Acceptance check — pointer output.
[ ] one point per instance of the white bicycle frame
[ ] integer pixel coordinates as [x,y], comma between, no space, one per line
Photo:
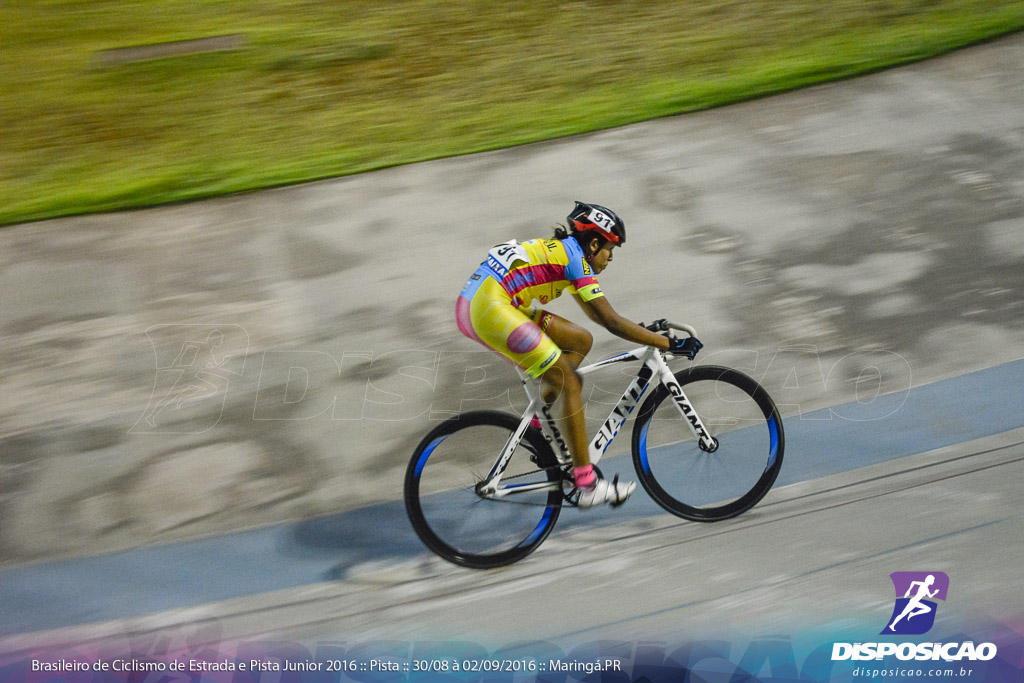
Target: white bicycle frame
[654,365]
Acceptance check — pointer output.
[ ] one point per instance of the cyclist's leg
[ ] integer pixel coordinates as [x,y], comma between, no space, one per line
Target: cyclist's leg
[574,340]
[561,379]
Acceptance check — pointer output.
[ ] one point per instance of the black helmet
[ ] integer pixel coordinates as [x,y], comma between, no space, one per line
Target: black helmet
[593,217]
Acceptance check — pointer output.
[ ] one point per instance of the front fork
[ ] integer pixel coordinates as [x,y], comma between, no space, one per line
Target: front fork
[705,440]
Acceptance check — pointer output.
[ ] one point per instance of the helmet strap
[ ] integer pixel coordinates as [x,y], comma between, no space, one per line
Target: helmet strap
[588,249]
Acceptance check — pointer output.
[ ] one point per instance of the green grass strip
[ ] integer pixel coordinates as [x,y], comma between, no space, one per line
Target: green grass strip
[318,88]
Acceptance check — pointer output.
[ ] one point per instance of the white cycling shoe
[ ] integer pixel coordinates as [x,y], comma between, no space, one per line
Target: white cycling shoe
[613,492]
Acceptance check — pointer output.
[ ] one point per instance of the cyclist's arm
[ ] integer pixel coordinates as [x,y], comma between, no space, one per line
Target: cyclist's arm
[602,313]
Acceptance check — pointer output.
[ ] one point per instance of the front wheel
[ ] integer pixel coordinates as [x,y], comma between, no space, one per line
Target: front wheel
[459,520]
[701,484]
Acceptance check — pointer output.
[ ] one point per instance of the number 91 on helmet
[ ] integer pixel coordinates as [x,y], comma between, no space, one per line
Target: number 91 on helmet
[596,218]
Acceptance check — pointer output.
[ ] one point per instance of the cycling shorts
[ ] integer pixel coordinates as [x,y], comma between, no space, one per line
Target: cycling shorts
[486,313]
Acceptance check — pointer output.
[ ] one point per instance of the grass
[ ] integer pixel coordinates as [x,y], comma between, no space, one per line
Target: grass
[324,88]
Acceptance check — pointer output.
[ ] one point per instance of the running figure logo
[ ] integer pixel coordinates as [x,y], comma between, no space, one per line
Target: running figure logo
[916,592]
[194,368]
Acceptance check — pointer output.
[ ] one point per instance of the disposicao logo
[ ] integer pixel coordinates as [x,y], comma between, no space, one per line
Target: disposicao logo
[916,593]
[914,614]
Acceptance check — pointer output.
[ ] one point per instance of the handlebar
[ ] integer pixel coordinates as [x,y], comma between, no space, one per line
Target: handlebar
[664,325]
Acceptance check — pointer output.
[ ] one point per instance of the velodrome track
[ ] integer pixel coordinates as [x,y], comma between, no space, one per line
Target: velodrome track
[925,476]
[816,552]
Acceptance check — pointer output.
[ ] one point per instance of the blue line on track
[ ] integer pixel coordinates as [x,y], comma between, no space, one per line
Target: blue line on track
[83,590]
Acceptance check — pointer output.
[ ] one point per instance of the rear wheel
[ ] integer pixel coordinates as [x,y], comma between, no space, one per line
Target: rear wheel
[462,523]
[702,484]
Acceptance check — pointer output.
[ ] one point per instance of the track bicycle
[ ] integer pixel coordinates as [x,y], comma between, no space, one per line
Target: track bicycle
[485,488]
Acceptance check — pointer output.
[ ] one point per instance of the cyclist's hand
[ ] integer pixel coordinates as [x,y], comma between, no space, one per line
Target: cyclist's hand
[684,347]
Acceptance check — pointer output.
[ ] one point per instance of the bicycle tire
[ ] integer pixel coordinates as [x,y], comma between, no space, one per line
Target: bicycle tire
[677,473]
[454,521]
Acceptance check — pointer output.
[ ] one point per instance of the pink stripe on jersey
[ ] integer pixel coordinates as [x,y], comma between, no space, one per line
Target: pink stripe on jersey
[584,281]
[530,276]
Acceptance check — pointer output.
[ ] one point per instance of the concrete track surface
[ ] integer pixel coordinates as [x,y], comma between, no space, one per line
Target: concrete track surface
[874,228]
[812,558]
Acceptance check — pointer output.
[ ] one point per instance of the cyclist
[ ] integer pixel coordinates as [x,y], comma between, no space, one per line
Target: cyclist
[497,309]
